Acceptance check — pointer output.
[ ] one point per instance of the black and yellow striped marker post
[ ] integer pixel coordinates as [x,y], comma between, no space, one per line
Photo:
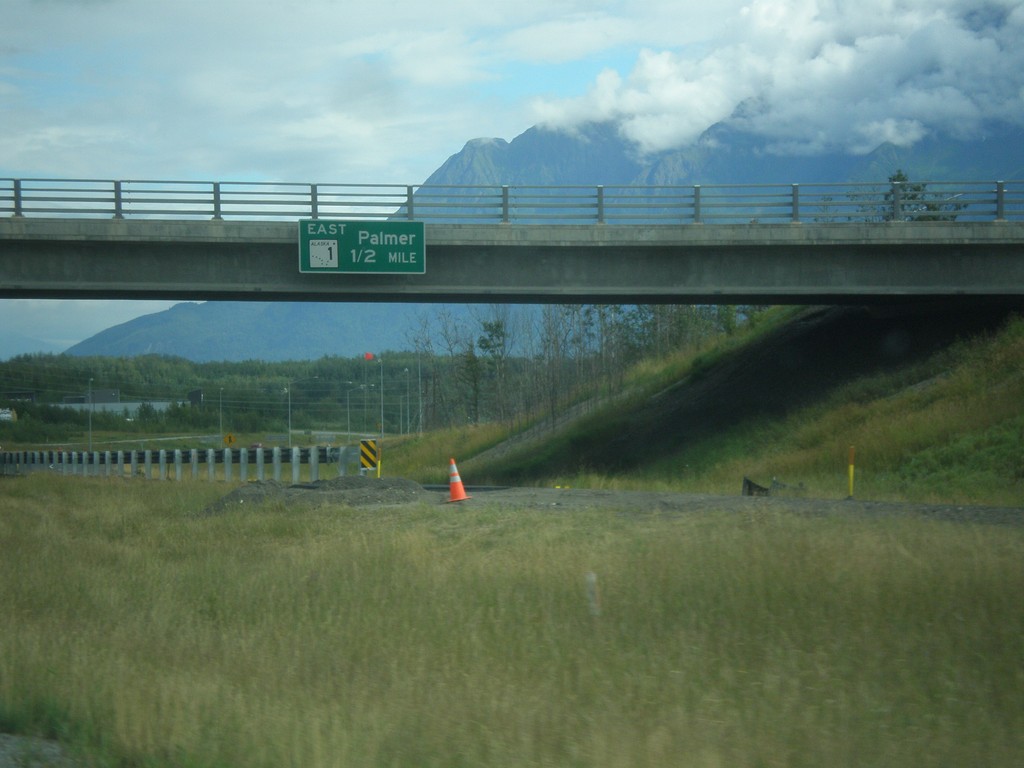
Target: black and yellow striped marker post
[369,455]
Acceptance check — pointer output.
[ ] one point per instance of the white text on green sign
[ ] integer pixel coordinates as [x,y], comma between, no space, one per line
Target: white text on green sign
[366,247]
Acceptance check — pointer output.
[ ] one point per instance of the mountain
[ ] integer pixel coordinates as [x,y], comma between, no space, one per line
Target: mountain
[594,154]
[589,155]
[597,154]
[271,331]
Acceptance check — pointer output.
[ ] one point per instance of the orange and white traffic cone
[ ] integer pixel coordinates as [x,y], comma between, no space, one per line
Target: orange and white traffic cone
[455,491]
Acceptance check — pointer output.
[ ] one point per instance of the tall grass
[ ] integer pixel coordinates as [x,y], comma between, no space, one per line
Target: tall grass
[426,457]
[946,430]
[949,430]
[150,635]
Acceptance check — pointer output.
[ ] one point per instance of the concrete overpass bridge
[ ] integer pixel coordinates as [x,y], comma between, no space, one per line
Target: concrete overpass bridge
[763,244]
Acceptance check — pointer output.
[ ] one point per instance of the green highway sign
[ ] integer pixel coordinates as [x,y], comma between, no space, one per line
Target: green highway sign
[362,247]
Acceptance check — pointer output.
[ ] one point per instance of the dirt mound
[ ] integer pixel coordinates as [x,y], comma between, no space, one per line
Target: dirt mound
[352,491]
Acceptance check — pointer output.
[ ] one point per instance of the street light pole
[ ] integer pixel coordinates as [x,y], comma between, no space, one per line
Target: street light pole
[348,407]
[91,407]
[288,389]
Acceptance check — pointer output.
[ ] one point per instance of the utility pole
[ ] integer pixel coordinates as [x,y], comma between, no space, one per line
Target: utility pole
[408,404]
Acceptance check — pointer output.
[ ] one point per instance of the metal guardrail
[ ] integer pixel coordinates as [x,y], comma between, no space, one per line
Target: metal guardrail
[249,463]
[619,204]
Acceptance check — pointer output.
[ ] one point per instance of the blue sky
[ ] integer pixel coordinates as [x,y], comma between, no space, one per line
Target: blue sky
[386,90]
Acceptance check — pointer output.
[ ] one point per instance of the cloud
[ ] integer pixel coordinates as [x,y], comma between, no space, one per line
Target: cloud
[569,38]
[231,87]
[814,75]
[328,90]
[385,90]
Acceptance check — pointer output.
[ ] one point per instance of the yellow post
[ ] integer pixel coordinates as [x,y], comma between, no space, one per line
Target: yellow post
[851,471]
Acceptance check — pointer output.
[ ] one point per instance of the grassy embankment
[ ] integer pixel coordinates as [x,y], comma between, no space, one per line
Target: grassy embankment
[146,634]
[949,429]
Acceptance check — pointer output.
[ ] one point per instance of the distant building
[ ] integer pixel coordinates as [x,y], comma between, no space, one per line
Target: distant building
[106,395]
[98,396]
[19,396]
[129,408]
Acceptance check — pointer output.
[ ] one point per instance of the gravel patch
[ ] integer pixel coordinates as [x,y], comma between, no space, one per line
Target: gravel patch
[32,752]
[393,492]
[641,503]
[354,491]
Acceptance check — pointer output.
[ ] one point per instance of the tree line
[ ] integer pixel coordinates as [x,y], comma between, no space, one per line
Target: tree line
[504,364]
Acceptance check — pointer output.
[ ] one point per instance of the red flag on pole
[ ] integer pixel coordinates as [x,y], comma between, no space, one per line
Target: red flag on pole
[368,356]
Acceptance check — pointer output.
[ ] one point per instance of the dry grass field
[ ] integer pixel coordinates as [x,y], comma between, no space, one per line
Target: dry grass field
[147,624]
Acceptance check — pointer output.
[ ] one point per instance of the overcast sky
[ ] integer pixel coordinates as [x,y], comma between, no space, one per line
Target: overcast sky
[386,90]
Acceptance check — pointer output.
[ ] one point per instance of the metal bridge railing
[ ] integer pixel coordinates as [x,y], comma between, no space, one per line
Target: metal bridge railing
[616,204]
